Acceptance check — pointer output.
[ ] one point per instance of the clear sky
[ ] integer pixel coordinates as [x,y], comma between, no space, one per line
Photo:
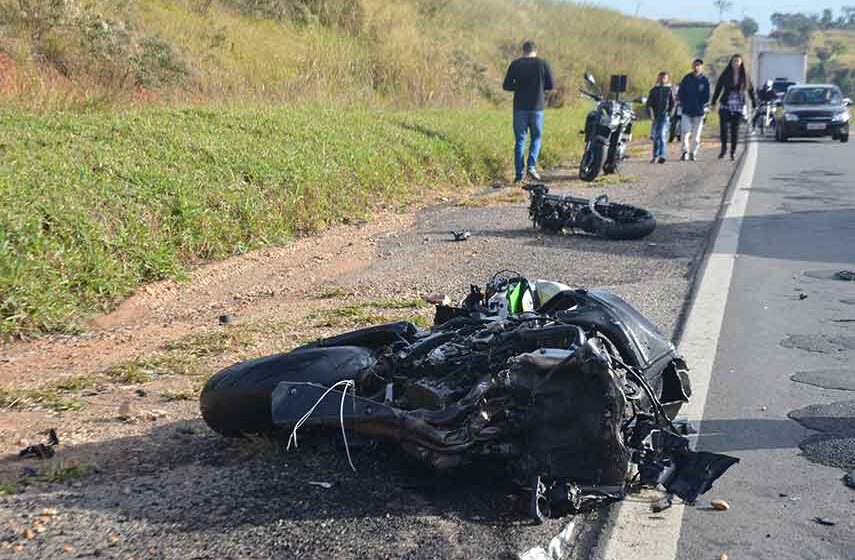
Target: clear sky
[704,10]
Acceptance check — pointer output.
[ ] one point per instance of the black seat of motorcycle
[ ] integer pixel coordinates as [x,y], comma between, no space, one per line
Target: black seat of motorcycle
[236,400]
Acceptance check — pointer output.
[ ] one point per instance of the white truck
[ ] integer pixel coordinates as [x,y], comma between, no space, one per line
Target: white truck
[783,68]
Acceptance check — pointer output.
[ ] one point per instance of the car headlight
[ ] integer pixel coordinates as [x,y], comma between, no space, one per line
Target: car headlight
[841,117]
[791,117]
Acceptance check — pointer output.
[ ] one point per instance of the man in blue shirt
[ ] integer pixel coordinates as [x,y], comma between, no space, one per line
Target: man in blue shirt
[694,96]
[528,77]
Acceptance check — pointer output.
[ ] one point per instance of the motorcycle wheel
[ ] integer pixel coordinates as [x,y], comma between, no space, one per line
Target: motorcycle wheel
[610,168]
[621,221]
[236,401]
[592,161]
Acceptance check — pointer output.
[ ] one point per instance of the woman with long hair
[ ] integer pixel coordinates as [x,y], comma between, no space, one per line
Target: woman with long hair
[732,86]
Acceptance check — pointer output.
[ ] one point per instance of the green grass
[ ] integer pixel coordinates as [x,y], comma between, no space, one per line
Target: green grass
[371,312]
[147,368]
[695,37]
[97,204]
[50,396]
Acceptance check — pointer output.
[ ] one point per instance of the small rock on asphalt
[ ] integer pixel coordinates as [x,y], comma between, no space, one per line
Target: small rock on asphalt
[720,505]
[438,299]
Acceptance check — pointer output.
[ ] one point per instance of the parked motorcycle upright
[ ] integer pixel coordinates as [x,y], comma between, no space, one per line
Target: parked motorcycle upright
[608,129]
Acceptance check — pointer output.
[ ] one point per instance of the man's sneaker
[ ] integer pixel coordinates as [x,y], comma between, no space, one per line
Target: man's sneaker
[653,160]
[662,160]
[534,174]
[684,157]
[518,180]
[692,157]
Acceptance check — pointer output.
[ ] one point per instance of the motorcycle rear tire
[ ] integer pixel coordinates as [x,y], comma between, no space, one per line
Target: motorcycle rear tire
[592,162]
[640,224]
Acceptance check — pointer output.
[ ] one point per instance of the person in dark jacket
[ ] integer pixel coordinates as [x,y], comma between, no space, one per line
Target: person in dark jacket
[694,94]
[765,96]
[528,77]
[731,87]
[660,106]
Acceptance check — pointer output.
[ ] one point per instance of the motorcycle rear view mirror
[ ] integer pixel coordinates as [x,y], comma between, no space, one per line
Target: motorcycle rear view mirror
[590,79]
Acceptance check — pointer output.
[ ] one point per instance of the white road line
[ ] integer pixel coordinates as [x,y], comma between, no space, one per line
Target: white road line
[634,535]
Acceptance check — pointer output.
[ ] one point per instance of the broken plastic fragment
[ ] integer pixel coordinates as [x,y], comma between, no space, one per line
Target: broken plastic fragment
[42,450]
[694,473]
[462,235]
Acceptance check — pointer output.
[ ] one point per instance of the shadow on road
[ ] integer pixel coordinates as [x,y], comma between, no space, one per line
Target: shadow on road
[182,475]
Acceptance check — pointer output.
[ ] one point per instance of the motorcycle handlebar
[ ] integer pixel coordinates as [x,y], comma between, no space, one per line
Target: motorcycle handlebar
[593,96]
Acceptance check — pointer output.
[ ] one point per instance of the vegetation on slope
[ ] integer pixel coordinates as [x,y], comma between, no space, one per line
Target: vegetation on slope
[725,41]
[400,53]
[96,204]
[273,118]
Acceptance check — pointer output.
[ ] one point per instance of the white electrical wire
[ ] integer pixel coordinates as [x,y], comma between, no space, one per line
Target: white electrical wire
[348,384]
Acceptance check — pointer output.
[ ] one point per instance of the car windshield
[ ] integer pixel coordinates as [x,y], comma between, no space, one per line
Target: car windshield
[781,87]
[814,96]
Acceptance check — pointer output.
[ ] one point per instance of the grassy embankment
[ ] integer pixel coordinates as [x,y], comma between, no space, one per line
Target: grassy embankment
[94,205]
[386,53]
[278,126]
[695,35]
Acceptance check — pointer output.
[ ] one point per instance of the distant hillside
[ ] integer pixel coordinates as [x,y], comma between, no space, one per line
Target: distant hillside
[725,41]
[401,53]
[831,58]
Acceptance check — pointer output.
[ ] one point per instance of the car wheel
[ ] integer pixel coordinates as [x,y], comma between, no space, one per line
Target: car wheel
[844,139]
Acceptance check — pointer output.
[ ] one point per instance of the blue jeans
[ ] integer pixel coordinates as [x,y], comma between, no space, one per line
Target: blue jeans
[660,139]
[531,123]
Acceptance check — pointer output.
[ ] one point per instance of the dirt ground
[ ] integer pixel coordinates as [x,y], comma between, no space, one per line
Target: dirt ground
[138,474]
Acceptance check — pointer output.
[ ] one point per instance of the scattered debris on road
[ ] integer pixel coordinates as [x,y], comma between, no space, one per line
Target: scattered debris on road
[825,521]
[437,299]
[324,485]
[42,450]
[719,505]
[566,387]
[845,275]
[462,235]
[662,503]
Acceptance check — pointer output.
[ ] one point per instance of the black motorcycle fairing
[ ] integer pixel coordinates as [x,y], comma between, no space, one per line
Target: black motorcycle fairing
[640,342]
[374,337]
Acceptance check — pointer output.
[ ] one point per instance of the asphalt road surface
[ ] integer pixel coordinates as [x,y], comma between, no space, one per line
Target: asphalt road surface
[172,489]
[781,388]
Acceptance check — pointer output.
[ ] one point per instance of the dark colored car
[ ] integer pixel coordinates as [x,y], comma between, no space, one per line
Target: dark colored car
[813,111]
[780,87]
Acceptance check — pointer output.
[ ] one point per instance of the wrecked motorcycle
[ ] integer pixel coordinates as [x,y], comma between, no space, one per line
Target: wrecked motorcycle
[556,213]
[574,391]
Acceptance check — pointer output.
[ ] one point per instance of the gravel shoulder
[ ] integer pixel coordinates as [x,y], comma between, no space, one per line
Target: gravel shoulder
[137,473]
